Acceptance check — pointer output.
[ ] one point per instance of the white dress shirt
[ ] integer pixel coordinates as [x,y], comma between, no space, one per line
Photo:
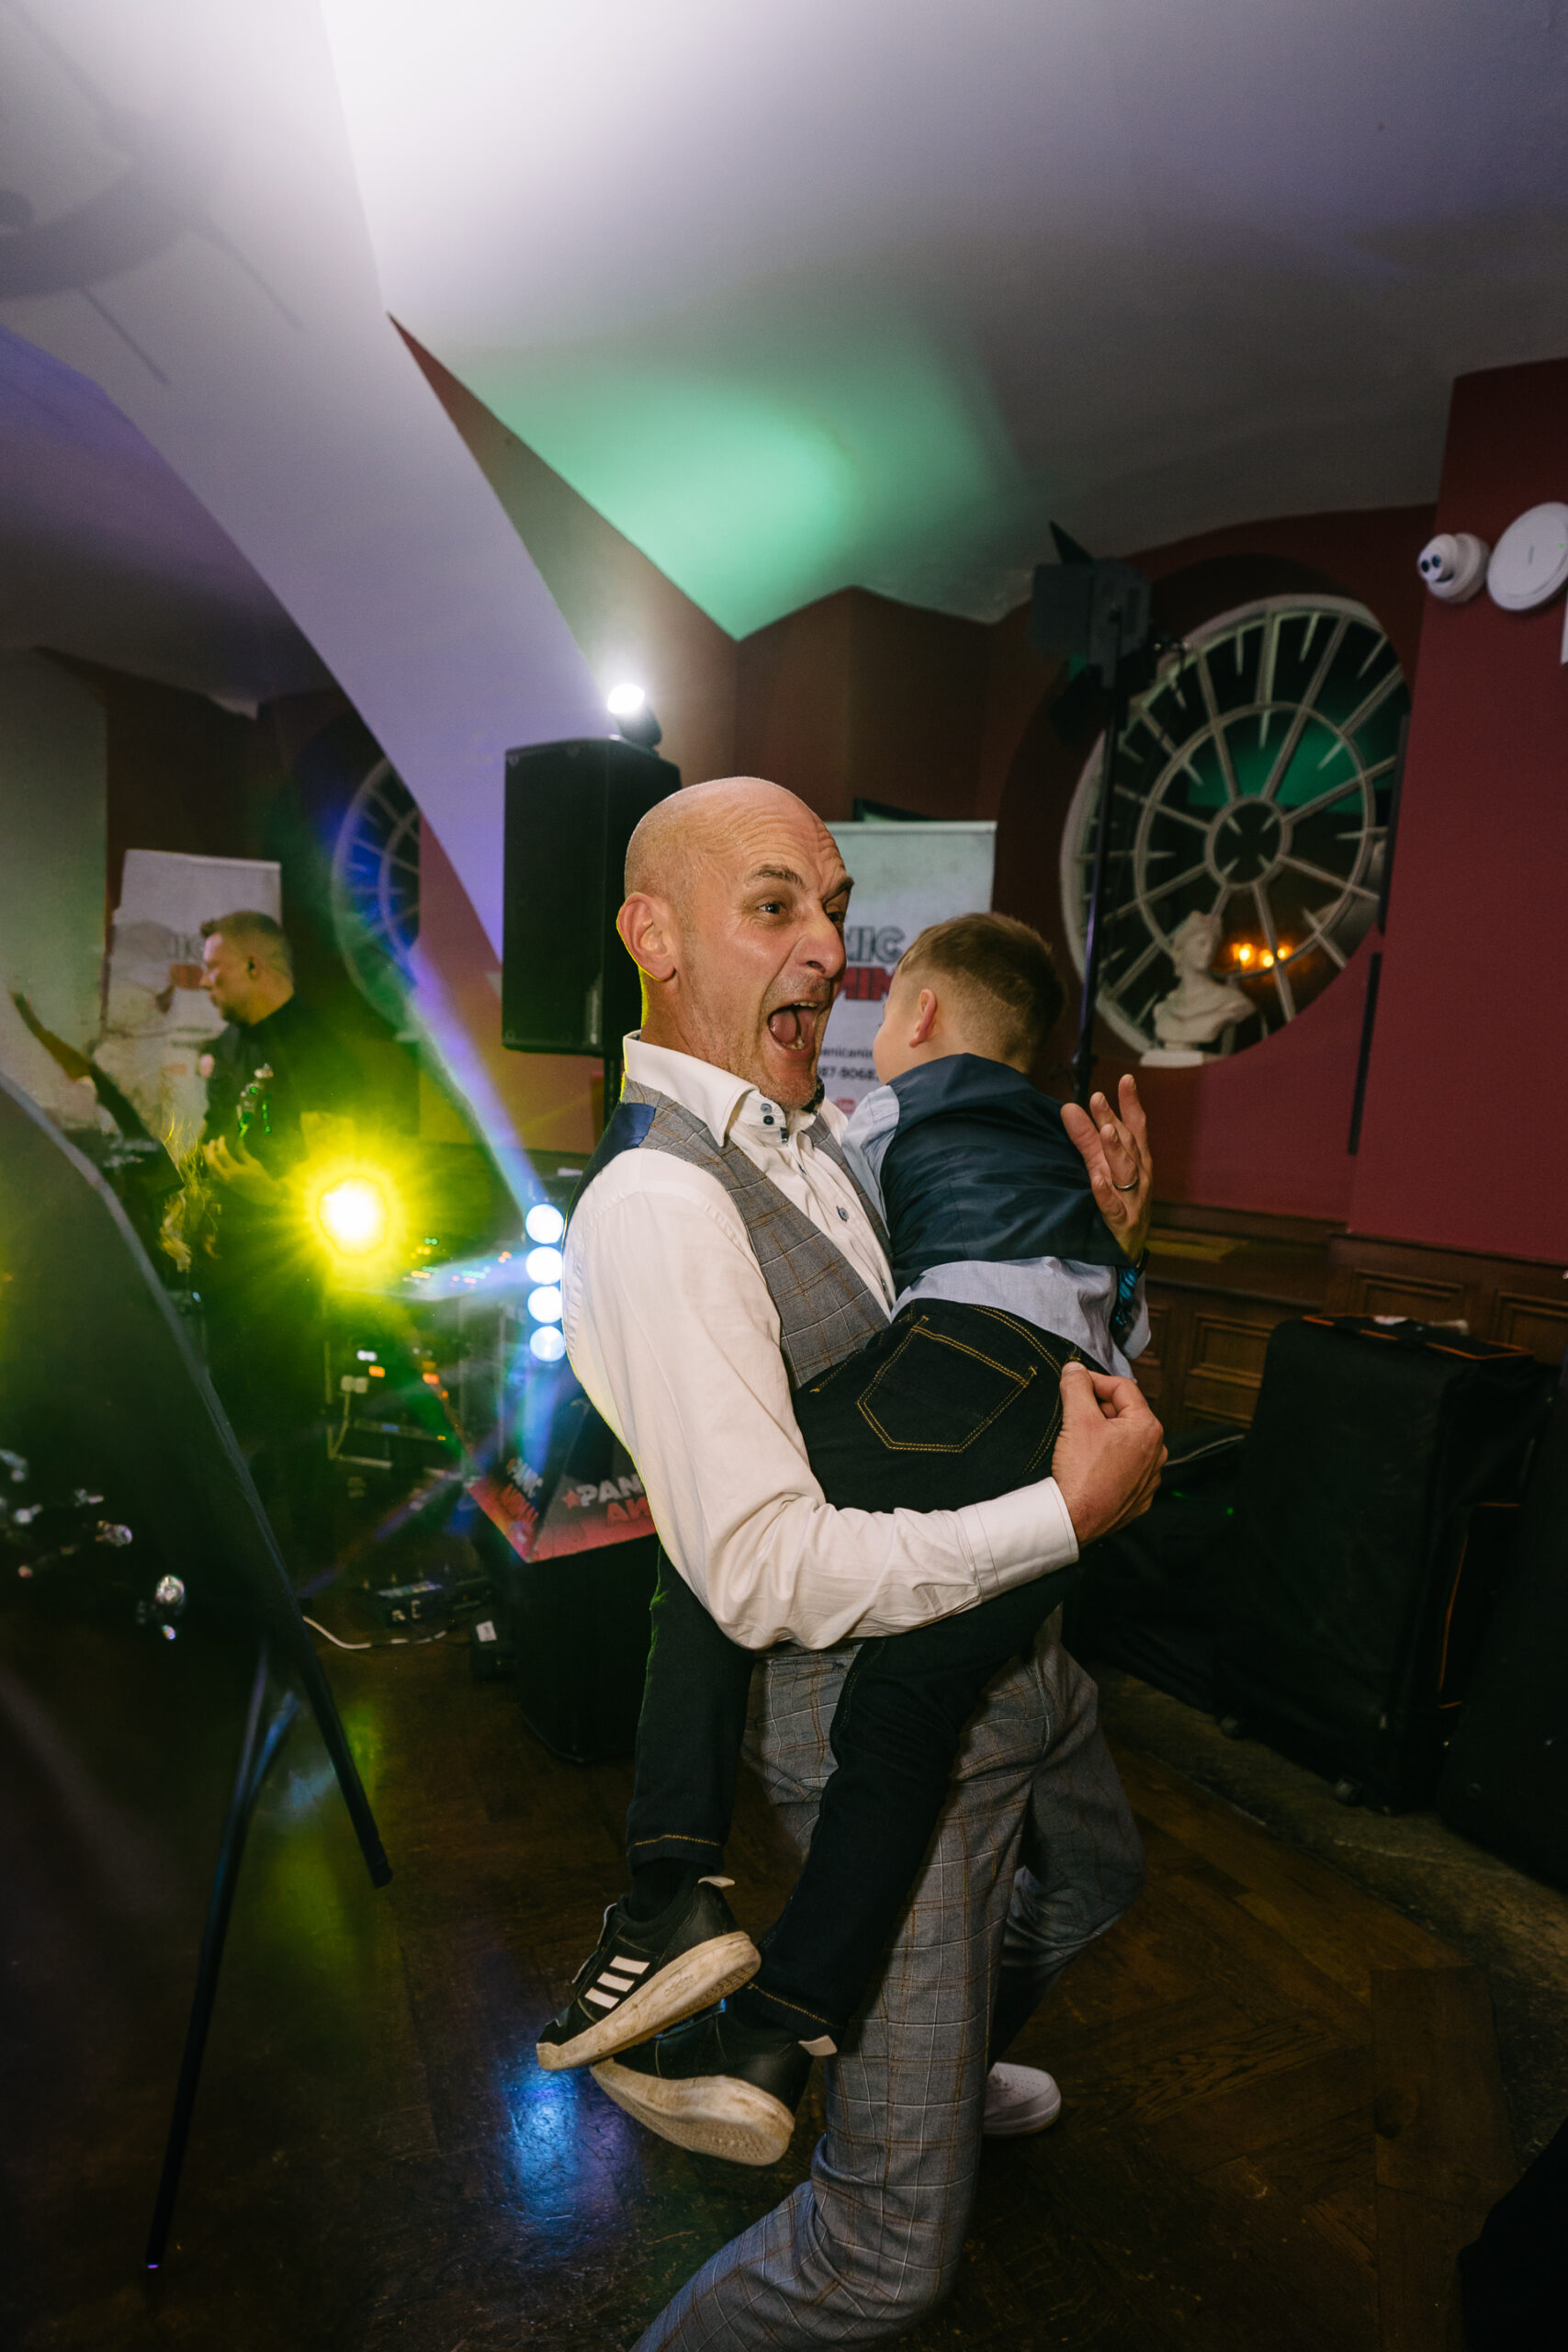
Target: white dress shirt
[670,1329]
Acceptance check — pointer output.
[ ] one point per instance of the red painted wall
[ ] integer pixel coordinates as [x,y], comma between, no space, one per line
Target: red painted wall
[1465,1142]
[857,695]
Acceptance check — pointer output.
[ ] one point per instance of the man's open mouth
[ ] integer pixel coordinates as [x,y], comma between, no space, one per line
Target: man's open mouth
[795,1026]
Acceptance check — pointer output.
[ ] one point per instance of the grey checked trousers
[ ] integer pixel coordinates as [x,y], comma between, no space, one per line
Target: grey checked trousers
[1036,1854]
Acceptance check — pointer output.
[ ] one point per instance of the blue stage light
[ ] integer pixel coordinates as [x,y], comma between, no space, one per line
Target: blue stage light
[543,1265]
[546,1343]
[544,1223]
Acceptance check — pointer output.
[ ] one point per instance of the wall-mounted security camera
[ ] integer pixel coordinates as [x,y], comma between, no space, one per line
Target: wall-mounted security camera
[1453,566]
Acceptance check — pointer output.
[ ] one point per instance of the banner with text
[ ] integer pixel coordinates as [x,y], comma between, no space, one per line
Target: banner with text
[906,877]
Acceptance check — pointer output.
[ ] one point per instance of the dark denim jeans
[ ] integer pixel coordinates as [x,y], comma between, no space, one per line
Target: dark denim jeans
[950,1405]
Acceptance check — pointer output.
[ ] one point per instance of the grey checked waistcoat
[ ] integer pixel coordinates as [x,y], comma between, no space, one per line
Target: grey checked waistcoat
[825,1310]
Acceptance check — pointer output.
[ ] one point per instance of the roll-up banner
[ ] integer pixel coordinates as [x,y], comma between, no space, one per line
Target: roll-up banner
[906,877]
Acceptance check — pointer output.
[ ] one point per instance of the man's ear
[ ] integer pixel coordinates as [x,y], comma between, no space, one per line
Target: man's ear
[647,926]
[926,1019]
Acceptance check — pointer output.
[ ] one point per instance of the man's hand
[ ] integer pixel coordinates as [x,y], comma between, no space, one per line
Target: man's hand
[1121,1171]
[233,1165]
[1109,1453]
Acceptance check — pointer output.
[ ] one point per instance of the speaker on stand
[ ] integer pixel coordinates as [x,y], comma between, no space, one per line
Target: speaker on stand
[575,1619]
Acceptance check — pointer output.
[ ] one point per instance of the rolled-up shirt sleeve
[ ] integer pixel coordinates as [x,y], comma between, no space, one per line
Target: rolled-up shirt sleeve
[670,1330]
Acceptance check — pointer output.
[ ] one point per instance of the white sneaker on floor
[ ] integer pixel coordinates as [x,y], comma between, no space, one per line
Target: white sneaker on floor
[1018,2099]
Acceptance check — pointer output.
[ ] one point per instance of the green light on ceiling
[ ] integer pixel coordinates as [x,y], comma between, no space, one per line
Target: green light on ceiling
[762,456]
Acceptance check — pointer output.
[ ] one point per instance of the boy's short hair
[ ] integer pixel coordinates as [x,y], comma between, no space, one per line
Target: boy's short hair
[1004,975]
[260,935]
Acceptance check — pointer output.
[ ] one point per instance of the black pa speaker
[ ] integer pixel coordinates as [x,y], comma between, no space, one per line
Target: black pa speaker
[567,985]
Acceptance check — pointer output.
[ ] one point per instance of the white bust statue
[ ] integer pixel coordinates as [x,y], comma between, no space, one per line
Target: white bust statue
[1199,1007]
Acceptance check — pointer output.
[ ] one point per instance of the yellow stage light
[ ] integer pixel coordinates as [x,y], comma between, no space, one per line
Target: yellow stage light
[1243,953]
[1265,959]
[353,1217]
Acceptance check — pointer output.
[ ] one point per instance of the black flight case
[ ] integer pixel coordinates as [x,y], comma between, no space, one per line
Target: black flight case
[1362,1553]
[1506,1779]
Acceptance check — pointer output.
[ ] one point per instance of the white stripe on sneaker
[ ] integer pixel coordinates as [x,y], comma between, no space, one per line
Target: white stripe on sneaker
[632,1967]
[602,2000]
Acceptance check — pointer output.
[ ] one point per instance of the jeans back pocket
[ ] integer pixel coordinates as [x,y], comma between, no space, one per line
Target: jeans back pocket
[937,1391]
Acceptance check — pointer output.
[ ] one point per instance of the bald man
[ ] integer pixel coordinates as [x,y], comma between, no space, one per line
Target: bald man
[721,1253]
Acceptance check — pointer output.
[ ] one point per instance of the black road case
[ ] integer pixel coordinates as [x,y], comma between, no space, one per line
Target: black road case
[1149,1598]
[1506,1779]
[1355,1593]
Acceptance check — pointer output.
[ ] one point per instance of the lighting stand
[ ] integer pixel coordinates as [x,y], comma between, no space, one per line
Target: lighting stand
[126,1396]
[257,1749]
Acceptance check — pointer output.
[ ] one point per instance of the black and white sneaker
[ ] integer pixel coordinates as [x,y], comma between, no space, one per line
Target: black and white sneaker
[646,1973]
[715,2084]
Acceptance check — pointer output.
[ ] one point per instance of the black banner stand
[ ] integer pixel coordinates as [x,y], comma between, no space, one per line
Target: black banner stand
[90,1344]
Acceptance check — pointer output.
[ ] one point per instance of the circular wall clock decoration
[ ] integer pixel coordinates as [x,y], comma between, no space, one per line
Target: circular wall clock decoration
[1529,562]
[1253,787]
[375,889]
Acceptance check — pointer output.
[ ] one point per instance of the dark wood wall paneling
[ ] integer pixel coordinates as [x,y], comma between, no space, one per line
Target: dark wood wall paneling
[1220,1280]
[1518,1300]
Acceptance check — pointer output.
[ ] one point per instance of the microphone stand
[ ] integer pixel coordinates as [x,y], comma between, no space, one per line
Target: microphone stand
[1094,927]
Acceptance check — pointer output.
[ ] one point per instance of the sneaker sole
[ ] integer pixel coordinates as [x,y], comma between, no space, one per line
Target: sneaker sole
[1020,2125]
[713,2115]
[694,1982]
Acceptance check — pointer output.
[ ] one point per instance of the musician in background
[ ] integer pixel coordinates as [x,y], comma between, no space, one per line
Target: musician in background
[276,1060]
[277,1067]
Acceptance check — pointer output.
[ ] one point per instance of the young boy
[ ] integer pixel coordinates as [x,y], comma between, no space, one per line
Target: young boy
[1004,1272]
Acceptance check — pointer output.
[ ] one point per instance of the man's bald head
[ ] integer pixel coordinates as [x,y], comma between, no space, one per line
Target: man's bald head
[681,834]
[736,897]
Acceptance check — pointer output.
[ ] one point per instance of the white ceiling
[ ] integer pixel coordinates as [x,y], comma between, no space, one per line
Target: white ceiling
[866,290]
[107,555]
[180,228]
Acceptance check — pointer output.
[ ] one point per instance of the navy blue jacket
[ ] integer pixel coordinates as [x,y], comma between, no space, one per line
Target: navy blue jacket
[980,1166]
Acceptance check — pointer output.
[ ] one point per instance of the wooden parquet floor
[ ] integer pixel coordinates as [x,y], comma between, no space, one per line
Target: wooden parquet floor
[1281,2111]
[1227,2055]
